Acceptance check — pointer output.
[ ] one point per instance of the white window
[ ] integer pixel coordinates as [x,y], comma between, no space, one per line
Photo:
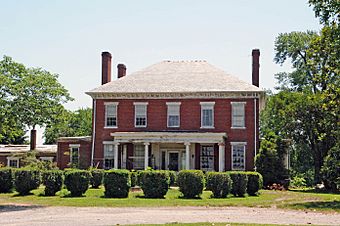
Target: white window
[108,156]
[138,156]
[207,114]
[207,157]
[173,114]
[46,159]
[237,115]
[140,114]
[111,114]
[74,153]
[238,152]
[13,162]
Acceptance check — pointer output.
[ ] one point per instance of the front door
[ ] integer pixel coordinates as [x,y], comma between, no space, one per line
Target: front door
[173,161]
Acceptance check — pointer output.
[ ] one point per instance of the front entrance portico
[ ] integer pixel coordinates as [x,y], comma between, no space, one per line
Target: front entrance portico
[170,150]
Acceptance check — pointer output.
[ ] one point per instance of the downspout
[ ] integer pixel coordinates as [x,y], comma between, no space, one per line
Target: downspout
[255,130]
[94,130]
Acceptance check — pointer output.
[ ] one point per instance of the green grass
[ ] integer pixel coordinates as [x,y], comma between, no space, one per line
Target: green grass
[94,197]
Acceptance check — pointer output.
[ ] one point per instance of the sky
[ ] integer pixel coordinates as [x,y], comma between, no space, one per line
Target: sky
[67,36]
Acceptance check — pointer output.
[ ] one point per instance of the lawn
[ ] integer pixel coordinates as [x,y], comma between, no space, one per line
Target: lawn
[94,197]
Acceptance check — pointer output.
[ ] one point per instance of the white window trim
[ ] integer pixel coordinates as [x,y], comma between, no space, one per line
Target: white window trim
[74,146]
[146,113]
[232,144]
[244,116]
[179,114]
[105,125]
[13,158]
[208,105]
[45,158]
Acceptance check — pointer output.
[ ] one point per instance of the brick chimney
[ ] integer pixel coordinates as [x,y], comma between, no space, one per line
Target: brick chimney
[256,67]
[121,70]
[106,67]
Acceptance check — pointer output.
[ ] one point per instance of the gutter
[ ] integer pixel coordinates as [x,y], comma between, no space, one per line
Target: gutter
[94,130]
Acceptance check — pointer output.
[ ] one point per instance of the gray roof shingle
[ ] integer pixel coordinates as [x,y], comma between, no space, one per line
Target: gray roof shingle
[177,77]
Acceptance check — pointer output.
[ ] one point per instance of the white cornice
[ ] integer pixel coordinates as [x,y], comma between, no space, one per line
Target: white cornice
[188,95]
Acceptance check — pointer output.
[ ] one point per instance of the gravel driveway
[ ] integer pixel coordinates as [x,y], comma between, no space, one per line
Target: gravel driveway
[93,216]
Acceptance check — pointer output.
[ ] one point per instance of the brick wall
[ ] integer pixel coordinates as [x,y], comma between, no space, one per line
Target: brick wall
[190,120]
[63,154]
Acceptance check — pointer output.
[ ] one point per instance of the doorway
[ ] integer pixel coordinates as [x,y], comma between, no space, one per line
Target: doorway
[173,161]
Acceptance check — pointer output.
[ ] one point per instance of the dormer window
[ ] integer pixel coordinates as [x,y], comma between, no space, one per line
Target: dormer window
[140,114]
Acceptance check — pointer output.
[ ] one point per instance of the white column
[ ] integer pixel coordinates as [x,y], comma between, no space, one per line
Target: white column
[187,155]
[221,156]
[115,153]
[146,155]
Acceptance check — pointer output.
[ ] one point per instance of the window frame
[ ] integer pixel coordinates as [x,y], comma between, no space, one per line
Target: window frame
[140,158]
[208,106]
[171,104]
[106,104]
[145,104]
[233,144]
[105,156]
[71,146]
[17,159]
[233,105]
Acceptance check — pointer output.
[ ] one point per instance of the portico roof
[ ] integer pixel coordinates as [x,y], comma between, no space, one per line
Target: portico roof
[168,137]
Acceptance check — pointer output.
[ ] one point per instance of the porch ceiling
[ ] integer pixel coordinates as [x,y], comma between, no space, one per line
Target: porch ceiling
[168,137]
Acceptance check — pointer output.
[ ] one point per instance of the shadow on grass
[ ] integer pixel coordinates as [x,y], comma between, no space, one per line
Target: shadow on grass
[11,207]
[335,205]
[143,197]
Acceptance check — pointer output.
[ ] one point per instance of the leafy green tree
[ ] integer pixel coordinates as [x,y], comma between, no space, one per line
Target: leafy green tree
[68,124]
[331,169]
[11,128]
[328,11]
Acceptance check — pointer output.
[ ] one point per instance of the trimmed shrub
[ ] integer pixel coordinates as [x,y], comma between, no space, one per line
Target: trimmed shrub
[255,183]
[173,178]
[330,171]
[53,181]
[219,184]
[239,187]
[77,181]
[191,182]
[26,180]
[97,176]
[117,183]
[6,180]
[154,183]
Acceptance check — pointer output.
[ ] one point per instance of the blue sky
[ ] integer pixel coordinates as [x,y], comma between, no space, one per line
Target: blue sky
[67,37]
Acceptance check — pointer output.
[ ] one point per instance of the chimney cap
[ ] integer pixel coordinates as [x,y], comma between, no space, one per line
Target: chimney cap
[256,51]
[121,66]
[106,54]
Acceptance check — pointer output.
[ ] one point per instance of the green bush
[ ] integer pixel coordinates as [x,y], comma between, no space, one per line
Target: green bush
[298,182]
[77,181]
[255,183]
[173,177]
[331,169]
[6,180]
[53,181]
[219,184]
[154,183]
[191,182]
[117,183]
[239,187]
[26,180]
[97,176]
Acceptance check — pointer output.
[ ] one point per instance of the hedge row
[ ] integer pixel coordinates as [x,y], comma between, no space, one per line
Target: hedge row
[154,183]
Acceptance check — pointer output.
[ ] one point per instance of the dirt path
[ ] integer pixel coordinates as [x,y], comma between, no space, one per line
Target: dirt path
[93,216]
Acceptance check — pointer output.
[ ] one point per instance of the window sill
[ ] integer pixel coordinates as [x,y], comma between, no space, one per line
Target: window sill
[207,127]
[173,126]
[110,127]
[238,128]
[140,126]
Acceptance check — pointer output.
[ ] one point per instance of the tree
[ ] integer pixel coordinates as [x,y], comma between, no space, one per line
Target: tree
[331,169]
[327,10]
[28,97]
[68,124]
[11,128]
